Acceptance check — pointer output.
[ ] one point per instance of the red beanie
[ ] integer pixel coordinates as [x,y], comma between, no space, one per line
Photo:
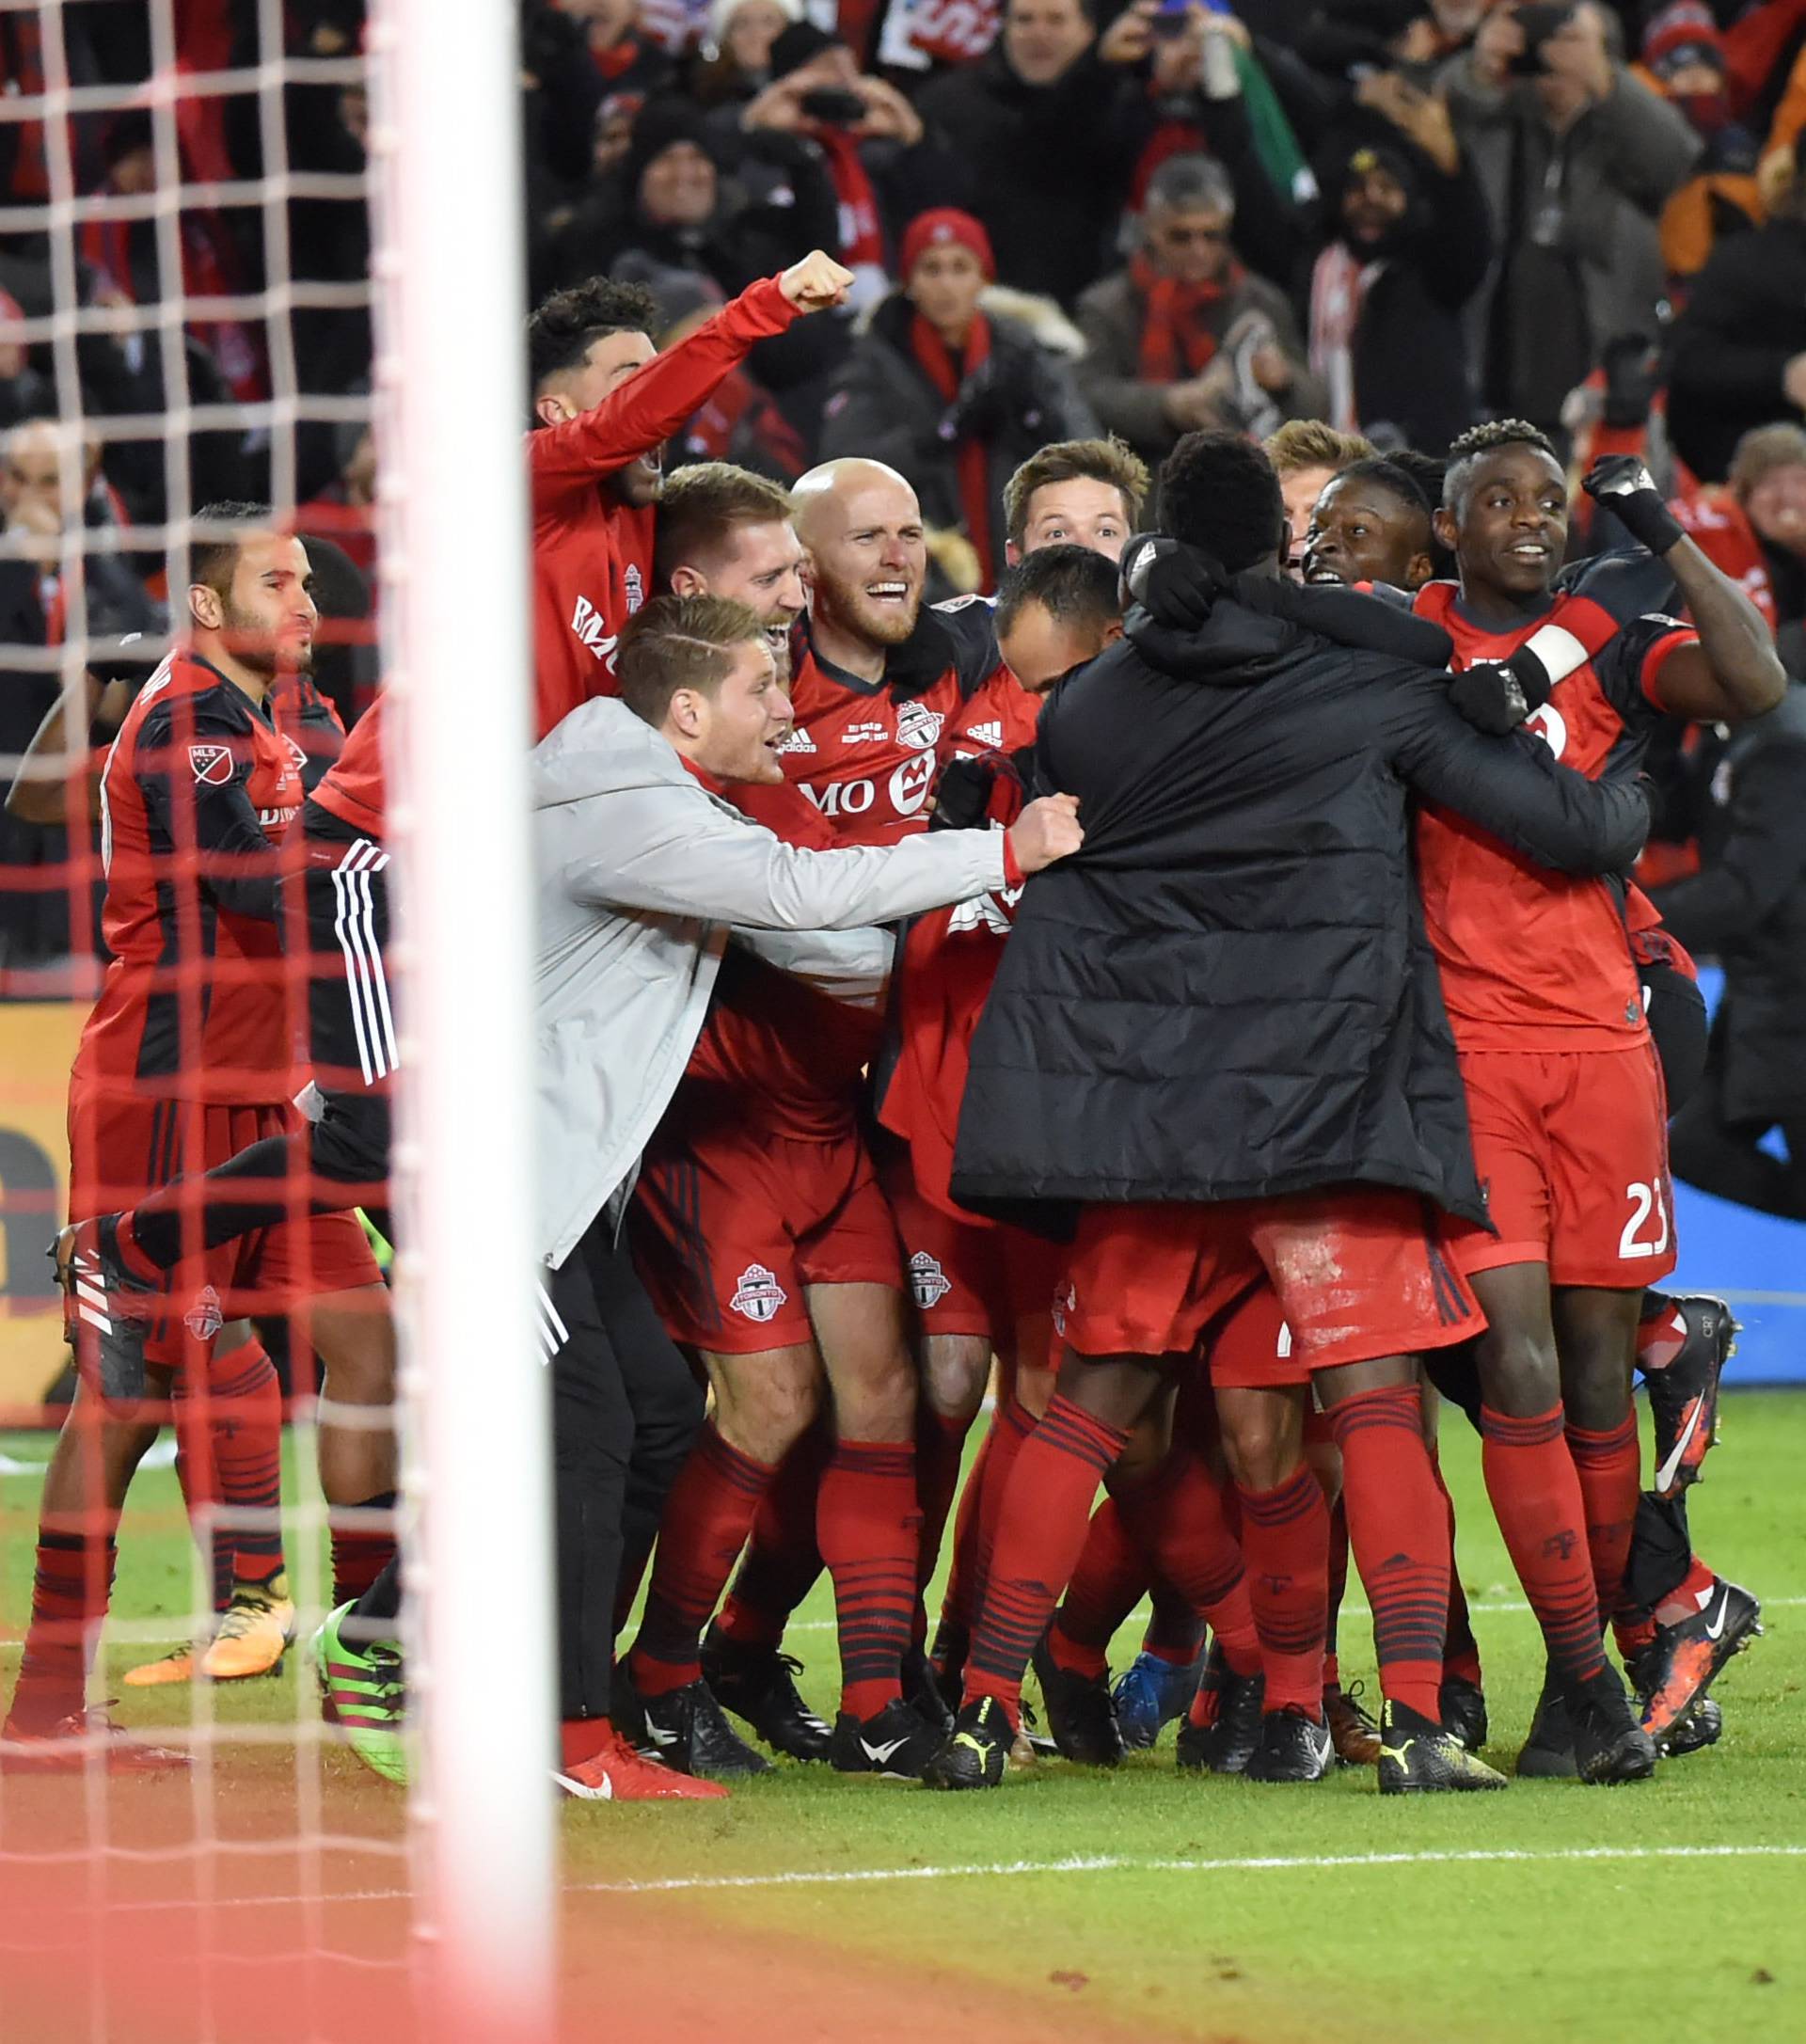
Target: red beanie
[1683,33]
[941,228]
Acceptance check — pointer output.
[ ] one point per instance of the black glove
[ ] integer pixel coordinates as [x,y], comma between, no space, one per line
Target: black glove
[991,400]
[1496,696]
[1621,484]
[962,795]
[1177,585]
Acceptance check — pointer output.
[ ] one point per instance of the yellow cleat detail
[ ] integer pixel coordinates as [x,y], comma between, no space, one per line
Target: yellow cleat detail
[177,1665]
[254,1633]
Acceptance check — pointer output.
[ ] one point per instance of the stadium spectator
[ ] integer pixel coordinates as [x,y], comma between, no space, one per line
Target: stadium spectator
[954,396]
[1185,336]
[1768,482]
[1739,354]
[741,33]
[1683,59]
[1578,160]
[345,510]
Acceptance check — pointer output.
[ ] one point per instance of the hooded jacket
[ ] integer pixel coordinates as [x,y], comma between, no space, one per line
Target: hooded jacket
[638,872]
[1227,993]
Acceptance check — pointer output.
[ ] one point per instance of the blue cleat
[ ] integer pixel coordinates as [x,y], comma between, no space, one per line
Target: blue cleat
[1150,1693]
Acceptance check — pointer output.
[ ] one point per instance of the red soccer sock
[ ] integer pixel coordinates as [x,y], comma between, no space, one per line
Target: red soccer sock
[360,1552]
[1181,1519]
[869,1525]
[1040,1534]
[1688,1600]
[1285,1540]
[782,1561]
[245,1399]
[70,1594]
[940,1448]
[1461,1652]
[1013,1427]
[1109,1580]
[1609,1466]
[707,1516]
[1535,1494]
[1337,1581]
[582,1738]
[957,1599]
[1398,1529]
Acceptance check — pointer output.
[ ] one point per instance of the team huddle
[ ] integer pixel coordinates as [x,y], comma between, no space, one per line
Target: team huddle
[1199,995]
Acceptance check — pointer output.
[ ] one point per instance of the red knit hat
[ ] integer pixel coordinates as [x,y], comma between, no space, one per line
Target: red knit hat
[1684,33]
[941,228]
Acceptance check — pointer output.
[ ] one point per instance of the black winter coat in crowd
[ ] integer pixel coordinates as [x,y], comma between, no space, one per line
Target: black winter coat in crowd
[1747,907]
[1744,322]
[1227,993]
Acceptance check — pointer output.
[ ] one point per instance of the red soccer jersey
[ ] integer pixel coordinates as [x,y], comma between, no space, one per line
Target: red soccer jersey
[950,961]
[865,753]
[197,792]
[352,790]
[1534,959]
[592,556]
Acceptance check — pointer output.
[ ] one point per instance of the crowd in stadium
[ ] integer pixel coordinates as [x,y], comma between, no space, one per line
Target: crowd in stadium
[1155,640]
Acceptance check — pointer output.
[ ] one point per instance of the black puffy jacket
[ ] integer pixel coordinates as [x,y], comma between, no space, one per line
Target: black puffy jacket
[1227,993]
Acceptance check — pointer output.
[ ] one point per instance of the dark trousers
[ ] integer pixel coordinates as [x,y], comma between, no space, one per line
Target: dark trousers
[625,1413]
[1720,1153]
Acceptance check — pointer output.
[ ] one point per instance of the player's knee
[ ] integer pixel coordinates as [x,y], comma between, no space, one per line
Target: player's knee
[878,1401]
[955,1370]
[766,1420]
[1519,1370]
[1261,1457]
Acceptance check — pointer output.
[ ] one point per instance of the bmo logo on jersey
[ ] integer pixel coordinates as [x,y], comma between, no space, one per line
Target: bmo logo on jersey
[905,789]
[591,630]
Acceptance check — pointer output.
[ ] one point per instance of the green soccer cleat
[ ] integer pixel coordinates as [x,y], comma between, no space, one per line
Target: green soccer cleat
[362,1694]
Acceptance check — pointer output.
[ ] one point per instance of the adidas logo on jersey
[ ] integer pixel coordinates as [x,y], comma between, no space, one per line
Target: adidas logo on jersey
[992,733]
[799,741]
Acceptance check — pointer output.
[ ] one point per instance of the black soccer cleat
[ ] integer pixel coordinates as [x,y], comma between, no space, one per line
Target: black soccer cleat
[759,1684]
[895,1744]
[1610,1745]
[1227,1742]
[1684,1396]
[976,1752]
[1547,1752]
[1294,1747]
[1417,1757]
[685,1729]
[922,1691]
[1462,1706]
[1080,1713]
[1683,1659]
[1703,1725]
[947,1662]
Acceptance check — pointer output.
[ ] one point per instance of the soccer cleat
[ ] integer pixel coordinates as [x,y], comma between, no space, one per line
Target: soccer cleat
[1547,1753]
[68,1745]
[975,1753]
[618,1774]
[1462,1706]
[254,1632]
[1294,1747]
[1226,1741]
[1080,1713]
[1418,1757]
[922,1691]
[362,1693]
[1703,1725]
[1610,1745]
[685,1728]
[177,1665]
[897,1743]
[1683,1659]
[1353,1733]
[1150,1692]
[1684,1395]
[759,1684]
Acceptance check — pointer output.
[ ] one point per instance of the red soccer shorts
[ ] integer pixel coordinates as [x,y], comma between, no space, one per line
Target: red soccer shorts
[731,1227]
[122,1145]
[970,1278]
[1358,1272]
[1572,1150]
[1252,1348]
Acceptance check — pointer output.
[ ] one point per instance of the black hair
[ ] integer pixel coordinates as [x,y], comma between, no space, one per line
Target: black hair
[1470,449]
[561,331]
[1389,474]
[1218,493]
[1074,585]
[214,560]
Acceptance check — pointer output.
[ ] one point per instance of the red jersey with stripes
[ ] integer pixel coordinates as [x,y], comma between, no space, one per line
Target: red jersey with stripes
[593,554]
[864,752]
[198,790]
[950,961]
[352,790]
[1531,959]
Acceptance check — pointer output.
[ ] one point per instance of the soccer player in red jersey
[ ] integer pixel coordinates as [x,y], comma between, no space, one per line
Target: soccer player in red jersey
[186,1057]
[605,402]
[1564,1095]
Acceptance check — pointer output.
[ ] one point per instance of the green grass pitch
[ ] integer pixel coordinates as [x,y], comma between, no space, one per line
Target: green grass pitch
[1206,1909]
